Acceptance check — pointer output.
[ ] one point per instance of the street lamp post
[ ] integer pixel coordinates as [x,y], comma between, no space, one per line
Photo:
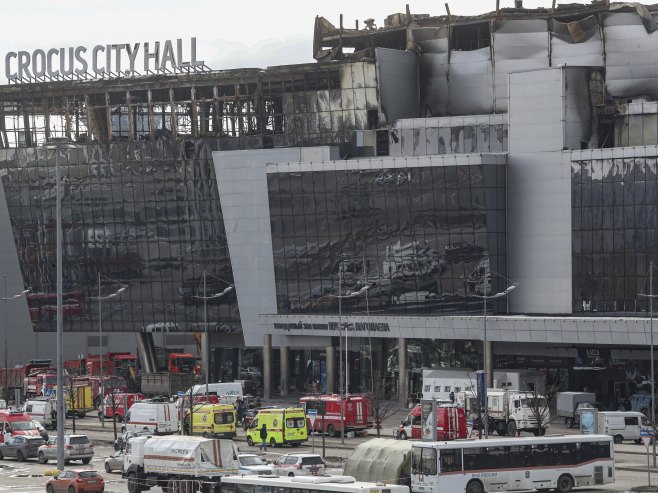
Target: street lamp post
[486,354]
[206,355]
[651,296]
[100,298]
[340,297]
[5,299]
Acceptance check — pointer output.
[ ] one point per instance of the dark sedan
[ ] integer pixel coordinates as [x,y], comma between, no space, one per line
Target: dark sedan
[21,447]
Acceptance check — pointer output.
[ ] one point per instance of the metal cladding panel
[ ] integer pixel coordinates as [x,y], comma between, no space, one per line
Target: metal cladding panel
[398,83]
[242,183]
[518,45]
[434,65]
[582,45]
[471,82]
[578,110]
[631,56]
[535,115]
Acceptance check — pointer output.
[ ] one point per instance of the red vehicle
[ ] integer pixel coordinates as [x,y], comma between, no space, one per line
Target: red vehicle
[15,423]
[40,382]
[450,423]
[182,363]
[74,481]
[122,403]
[357,413]
[198,399]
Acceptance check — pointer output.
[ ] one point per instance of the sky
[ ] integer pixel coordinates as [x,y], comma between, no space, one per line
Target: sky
[256,33]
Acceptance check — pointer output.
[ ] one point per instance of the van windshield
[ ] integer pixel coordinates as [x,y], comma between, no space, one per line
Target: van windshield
[534,402]
[22,425]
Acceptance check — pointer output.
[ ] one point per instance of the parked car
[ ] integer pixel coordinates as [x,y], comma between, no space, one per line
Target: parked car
[74,481]
[252,464]
[21,447]
[76,447]
[114,462]
[299,465]
[250,373]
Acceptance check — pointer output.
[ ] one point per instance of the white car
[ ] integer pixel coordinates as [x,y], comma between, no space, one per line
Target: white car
[252,464]
[114,462]
[299,465]
[76,447]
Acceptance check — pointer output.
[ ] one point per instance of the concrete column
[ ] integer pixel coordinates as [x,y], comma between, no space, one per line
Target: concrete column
[267,367]
[284,356]
[488,364]
[330,367]
[402,370]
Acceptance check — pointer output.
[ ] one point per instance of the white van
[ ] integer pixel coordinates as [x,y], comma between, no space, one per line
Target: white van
[228,392]
[159,418]
[622,425]
[41,410]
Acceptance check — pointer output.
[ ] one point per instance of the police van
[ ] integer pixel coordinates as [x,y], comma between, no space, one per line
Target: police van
[284,426]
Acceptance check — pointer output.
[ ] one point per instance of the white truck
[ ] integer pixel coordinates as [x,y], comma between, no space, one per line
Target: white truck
[511,411]
[570,403]
[439,383]
[166,461]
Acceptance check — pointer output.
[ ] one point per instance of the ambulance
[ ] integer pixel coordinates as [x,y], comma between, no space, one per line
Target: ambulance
[284,426]
[212,420]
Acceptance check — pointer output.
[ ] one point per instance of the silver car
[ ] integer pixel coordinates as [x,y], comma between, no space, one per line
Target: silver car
[76,447]
[20,447]
[114,462]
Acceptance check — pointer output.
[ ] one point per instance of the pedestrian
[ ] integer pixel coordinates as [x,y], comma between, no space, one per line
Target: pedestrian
[263,437]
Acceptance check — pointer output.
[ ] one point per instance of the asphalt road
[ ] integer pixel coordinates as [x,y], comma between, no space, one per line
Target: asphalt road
[27,477]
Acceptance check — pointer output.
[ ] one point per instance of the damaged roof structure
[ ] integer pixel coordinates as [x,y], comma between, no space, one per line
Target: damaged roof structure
[463,63]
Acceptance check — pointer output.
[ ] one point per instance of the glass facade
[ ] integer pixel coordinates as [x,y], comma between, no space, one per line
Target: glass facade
[615,233]
[146,214]
[426,238]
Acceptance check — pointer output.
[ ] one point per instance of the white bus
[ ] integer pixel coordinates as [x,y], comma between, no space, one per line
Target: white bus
[509,464]
[306,484]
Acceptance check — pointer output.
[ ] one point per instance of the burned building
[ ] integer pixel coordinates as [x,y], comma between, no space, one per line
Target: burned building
[411,171]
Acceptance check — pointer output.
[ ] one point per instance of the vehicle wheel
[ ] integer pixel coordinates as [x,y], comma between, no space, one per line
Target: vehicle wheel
[133,483]
[618,439]
[402,435]
[564,484]
[291,474]
[638,441]
[511,428]
[250,442]
[474,486]
[1,456]
[87,460]
[272,442]
[107,468]
[19,456]
[501,432]
[569,422]
[71,489]
[206,435]
[42,459]
[67,462]
[49,489]
[536,432]
[331,430]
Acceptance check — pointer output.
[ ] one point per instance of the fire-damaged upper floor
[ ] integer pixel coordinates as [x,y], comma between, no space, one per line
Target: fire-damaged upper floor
[463,63]
[365,81]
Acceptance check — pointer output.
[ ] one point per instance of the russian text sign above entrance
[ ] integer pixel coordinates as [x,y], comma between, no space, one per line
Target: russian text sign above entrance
[103,61]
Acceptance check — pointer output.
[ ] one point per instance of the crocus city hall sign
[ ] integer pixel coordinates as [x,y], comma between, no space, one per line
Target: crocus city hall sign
[103,61]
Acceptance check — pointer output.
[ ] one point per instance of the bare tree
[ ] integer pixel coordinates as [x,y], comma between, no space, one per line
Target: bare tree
[541,404]
[381,408]
[74,395]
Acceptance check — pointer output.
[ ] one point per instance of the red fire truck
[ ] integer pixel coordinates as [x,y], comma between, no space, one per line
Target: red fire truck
[122,403]
[40,381]
[357,413]
[450,423]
